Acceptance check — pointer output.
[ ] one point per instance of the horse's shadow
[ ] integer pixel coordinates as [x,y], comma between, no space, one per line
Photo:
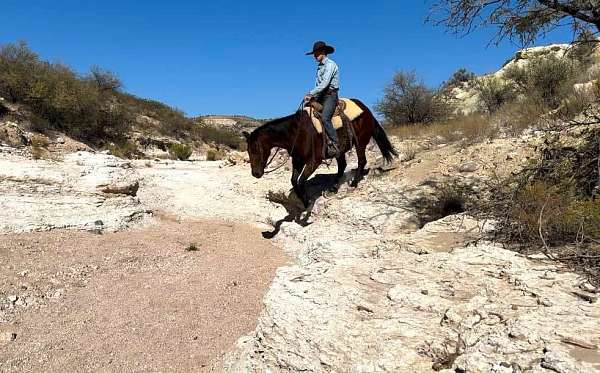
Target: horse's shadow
[296,212]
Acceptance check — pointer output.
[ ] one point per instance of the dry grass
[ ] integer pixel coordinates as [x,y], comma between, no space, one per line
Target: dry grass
[510,120]
[39,141]
[4,136]
[409,150]
[470,128]
[215,154]
[515,117]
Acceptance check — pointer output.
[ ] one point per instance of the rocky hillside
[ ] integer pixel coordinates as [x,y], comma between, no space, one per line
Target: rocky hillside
[236,123]
[55,105]
[466,97]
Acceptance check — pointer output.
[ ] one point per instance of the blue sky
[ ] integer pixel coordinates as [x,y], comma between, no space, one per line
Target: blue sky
[247,57]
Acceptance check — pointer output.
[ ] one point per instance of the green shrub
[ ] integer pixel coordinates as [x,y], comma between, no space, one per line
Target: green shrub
[494,92]
[548,77]
[459,77]
[123,149]
[180,151]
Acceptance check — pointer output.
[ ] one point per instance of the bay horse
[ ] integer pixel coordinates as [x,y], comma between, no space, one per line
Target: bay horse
[297,135]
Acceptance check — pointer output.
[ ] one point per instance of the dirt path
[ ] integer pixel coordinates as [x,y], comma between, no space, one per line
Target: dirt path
[131,301]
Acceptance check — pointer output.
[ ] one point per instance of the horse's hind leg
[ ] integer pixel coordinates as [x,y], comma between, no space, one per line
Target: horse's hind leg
[362,163]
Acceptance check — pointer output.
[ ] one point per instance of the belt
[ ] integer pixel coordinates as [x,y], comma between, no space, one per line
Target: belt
[331,91]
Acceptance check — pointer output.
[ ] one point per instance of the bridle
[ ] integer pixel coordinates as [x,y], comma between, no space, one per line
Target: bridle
[300,108]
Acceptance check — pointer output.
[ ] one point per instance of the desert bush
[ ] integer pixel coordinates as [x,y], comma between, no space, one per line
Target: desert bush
[546,214]
[39,141]
[37,152]
[210,134]
[4,138]
[180,151]
[407,100]
[191,247]
[494,92]
[215,155]
[18,66]
[548,77]
[576,103]
[123,148]
[459,77]
[409,151]
[553,201]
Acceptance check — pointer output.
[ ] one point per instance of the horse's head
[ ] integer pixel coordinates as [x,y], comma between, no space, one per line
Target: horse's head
[258,153]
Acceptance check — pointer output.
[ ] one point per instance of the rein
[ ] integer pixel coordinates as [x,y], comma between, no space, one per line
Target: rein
[279,149]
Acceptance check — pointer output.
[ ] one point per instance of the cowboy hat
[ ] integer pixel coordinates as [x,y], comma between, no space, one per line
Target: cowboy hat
[321,46]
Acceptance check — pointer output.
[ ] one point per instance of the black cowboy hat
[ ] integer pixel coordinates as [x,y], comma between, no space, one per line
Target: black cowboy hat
[321,46]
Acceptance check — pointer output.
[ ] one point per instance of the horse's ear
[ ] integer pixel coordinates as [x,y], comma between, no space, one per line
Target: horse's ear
[246,135]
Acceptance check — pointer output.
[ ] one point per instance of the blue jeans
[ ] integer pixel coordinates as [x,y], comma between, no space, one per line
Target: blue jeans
[329,103]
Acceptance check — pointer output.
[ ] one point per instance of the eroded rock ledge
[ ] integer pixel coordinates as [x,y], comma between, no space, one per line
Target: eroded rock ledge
[86,190]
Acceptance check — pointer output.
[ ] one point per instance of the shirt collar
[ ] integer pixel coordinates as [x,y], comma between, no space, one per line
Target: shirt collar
[324,61]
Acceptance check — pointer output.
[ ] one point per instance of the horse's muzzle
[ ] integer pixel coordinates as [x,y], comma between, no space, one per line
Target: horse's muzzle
[257,174]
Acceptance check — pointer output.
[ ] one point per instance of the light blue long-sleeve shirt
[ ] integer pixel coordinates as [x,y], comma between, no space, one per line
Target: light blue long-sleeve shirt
[328,75]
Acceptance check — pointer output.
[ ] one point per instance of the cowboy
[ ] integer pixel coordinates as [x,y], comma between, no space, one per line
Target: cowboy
[326,90]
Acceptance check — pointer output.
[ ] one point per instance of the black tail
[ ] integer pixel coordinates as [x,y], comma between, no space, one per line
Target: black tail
[384,144]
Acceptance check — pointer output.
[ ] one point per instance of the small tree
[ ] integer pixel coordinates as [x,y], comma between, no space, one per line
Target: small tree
[407,100]
[459,77]
[106,80]
[18,67]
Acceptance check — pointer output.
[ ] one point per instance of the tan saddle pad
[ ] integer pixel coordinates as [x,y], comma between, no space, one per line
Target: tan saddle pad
[345,105]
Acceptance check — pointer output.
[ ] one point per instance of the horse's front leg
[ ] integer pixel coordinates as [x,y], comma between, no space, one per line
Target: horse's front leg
[297,166]
[341,163]
[306,172]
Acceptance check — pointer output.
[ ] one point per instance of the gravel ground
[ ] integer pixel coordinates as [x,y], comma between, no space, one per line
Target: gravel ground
[131,301]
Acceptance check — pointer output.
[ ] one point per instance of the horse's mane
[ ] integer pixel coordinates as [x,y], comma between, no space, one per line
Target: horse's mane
[275,126]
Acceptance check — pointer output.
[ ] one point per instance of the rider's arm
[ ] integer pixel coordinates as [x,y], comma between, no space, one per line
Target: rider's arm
[326,79]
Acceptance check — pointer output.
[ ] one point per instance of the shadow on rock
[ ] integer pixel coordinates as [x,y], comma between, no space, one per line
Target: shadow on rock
[296,212]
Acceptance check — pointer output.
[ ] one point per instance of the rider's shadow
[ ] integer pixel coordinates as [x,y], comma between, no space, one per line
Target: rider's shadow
[296,212]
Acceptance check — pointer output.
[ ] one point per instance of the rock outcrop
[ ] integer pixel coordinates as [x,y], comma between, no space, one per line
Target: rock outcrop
[86,190]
